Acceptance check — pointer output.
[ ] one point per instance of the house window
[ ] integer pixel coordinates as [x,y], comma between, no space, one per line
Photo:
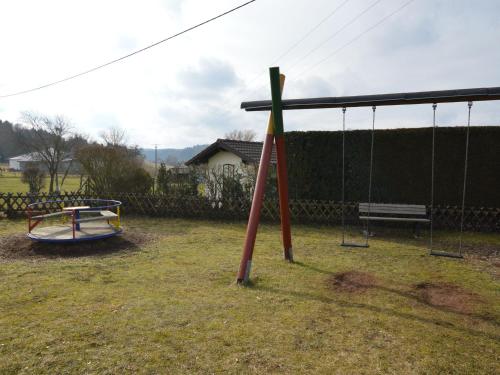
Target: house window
[228,170]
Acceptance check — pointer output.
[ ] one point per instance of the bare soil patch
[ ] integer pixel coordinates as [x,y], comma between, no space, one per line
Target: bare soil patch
[352,281]
[19,246]
[484,250]
[448,296]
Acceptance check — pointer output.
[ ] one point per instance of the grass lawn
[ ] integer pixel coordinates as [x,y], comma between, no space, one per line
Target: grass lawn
[10,182]
[171,306]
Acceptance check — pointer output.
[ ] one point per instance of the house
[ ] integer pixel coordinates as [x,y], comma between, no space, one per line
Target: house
[21,162]
[231,158]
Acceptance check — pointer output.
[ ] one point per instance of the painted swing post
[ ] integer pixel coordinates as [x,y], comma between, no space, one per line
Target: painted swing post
[277,113]
[258,197]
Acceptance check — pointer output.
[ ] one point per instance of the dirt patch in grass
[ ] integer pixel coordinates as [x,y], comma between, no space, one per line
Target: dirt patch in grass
[18,246]
[480,249]
[352,281]
[448,296]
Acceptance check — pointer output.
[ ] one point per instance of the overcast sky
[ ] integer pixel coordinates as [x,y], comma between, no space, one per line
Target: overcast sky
[188,91]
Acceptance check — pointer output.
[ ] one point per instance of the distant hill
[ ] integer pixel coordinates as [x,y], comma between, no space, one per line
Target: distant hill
[168,154]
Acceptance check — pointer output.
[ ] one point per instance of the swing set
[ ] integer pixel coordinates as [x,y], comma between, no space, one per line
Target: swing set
[275,133]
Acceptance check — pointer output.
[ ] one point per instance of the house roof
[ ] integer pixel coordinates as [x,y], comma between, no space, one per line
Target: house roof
[33,156]
[249,152]
[26,157]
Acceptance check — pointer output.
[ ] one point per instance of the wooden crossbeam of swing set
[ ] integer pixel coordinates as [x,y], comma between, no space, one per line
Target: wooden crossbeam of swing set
[404,98]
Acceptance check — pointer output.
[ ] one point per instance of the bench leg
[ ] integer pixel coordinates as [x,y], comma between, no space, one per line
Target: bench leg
[416,230]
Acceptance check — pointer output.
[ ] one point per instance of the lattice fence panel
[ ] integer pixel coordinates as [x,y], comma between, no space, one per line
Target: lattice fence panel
[302,211]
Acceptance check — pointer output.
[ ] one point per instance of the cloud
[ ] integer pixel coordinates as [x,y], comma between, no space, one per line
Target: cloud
[211,77]
[189,89]
[127,43]
[311,87]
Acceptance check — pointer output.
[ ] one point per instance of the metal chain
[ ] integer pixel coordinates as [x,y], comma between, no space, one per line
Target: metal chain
[465,179]
[343,174]
[431,213]
[371,176]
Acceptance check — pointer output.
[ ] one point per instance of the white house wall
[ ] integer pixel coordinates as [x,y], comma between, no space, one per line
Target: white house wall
[14,164]
[224,157]
[217,161]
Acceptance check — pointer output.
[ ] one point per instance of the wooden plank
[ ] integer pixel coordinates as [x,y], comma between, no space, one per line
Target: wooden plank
[381,218]
[393,209]
[94,218]
[107,213]
[389,205]
[393,204]
[395,212]
[75,208]
[50,215]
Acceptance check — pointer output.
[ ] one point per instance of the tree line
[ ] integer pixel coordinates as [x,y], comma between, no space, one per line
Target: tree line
[106,166]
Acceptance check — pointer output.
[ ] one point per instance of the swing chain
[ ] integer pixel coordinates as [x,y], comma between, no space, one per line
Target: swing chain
[371,176]
[462,217]
[431,209]
[343,175]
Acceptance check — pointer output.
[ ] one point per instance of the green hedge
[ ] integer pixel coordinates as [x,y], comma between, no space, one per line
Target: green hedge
[402,165]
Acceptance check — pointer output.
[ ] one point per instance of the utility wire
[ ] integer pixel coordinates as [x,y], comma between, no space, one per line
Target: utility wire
[345,26]
[294,45]
[381,21]
[342,28]
[128,55]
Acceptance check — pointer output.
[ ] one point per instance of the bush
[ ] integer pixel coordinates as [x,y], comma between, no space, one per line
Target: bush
[35,178]
[114,168]
[178,181]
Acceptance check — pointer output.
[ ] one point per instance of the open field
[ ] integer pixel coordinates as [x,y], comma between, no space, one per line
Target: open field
[165,302]
[10,182]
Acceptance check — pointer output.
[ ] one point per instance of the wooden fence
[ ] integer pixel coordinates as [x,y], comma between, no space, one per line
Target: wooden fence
[302,211]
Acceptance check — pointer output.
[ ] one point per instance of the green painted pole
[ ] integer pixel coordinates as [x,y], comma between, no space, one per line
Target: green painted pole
[277,107]
[279,138]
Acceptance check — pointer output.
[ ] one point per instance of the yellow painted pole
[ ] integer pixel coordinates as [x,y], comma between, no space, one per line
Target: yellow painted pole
[118,223]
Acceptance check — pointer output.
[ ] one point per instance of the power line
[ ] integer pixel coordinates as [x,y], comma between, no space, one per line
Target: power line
[291,48]
[342,28]
[128,55]
[381,21]
[294,45]
[345,26]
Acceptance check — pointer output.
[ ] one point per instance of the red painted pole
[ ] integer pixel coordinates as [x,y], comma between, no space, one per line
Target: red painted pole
[29,219]
[253,220]
[258,197]
[73,222]
[283,198]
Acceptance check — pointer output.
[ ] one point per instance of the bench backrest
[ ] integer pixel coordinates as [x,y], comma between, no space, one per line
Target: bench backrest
[394,209]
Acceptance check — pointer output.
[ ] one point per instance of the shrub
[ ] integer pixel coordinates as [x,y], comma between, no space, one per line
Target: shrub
[114,168]
[35,178]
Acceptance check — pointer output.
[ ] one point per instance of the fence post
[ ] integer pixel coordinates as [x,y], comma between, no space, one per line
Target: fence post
[9,205]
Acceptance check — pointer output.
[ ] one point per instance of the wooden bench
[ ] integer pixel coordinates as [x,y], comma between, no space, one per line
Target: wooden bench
[415,213]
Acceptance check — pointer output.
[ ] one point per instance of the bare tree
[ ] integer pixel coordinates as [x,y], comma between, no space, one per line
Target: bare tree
[48,141]
[114,136]
[241,135]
